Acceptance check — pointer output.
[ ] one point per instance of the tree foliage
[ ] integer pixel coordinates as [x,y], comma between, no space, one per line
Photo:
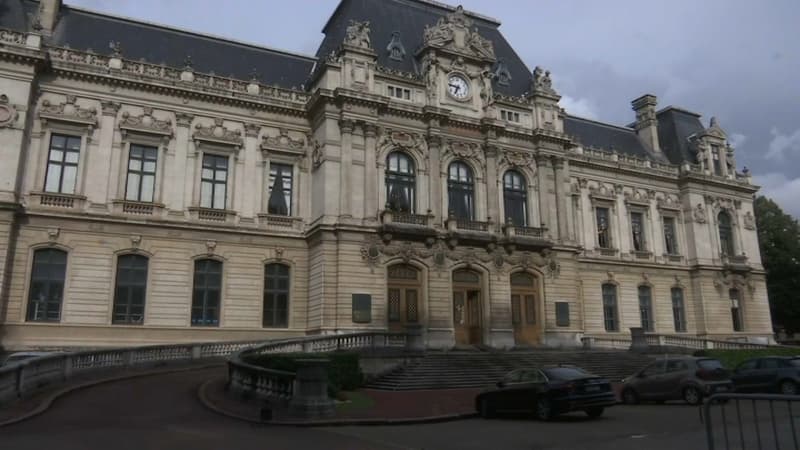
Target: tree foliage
[779,240]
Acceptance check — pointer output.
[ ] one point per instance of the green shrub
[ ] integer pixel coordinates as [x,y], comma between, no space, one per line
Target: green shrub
[344,371]
[732,358]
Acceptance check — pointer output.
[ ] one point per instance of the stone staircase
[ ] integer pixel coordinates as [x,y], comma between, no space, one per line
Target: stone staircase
[467,369]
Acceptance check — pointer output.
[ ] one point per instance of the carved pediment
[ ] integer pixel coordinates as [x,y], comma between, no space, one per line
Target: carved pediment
[453,32]
[146,123]
[284,143]
[518,159]
[464,150]
[69,111]
[403,140]
[218,134]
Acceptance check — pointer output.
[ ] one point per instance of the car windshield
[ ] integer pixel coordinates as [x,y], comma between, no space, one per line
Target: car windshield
[566,373]
[709,364]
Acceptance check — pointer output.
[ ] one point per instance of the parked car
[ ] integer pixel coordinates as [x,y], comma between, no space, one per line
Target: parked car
[546,392]
[22,356]
[768,374]
[681,378]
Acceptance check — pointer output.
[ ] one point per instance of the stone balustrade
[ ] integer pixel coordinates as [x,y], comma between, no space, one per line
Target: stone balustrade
[670,340]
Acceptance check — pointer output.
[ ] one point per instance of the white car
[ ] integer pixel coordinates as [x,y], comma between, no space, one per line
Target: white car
[17,357]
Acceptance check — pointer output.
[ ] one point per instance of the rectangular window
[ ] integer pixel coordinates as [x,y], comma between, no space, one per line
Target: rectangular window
[610,307]
[130,289]
[736,310]
[603,228]
[207,289]
[280,189]
[46,290]
[399,92]
[214,182]
[362,307]
[515,309]
[670,237]
[509,116]
[637,231]
[62,164]
[562,314]
[646,308]
[276,296]
[141,173]
[678,310]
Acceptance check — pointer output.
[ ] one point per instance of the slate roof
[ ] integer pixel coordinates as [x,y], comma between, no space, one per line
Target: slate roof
[410,17]
[674,128]
[590,133]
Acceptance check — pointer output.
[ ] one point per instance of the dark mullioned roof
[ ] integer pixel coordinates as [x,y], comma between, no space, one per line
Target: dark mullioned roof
[81,29]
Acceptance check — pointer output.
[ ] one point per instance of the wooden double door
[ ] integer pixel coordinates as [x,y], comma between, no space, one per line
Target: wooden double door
[467,308]
[403,297]
[525,315]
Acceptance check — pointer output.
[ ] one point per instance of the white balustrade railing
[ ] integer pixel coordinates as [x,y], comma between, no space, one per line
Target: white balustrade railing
[671,340]
[22,378]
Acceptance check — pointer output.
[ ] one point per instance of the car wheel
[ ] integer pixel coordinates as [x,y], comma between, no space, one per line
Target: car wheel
[544,409]
[788,387]
[595,412]
[692,395]
[629,397]
[486,410]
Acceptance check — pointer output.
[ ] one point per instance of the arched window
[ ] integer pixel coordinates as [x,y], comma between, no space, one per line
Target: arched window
[461,191]
[207,292]
[725,233]
[646,307]
[276,295]
[400,182]
[130,289]
[515,198]
[678,310]
[46,292]
[610,307]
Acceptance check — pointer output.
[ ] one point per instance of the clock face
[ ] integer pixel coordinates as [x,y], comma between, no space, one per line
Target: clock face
[458,87]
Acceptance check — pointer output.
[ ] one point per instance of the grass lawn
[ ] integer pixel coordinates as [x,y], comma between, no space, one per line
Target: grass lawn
[356,401]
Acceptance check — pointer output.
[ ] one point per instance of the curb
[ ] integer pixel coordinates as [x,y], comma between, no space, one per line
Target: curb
[50,399]
[201,394]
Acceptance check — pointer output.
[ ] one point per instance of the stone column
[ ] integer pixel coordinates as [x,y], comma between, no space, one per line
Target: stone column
[561,199]
[434,178]
[543,169]
[180,189]
[247,204]
[345,167]
[310,397]
[370,172]
[491,186]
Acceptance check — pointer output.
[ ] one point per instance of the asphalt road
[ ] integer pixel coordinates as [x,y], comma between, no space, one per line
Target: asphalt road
[162,412]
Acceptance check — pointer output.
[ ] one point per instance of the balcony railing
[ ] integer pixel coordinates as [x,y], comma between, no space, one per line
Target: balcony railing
[533,232]
[472,225]
[410,218]
[58,200]
[280,222]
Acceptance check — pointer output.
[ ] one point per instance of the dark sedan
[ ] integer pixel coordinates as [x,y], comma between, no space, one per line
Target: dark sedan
[547,392]
[768,374]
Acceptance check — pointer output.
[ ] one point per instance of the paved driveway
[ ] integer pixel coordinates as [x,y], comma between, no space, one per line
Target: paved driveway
[162,412]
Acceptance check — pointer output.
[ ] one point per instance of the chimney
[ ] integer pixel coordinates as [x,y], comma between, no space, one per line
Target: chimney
[646,125]
[48,15]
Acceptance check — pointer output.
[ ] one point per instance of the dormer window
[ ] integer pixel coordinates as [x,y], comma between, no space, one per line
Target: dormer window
[509,116]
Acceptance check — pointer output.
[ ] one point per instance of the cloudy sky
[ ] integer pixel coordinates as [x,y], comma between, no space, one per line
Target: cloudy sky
[738,60]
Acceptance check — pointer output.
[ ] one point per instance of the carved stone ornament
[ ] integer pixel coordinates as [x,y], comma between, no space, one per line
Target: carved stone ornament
[464,150]
[501,73]
[403,140]
[357,35]
[453,32]
[218,133]
[395,49]
[518,159]
[211,246]
[700,214]
[371,251]
[317,156]
[136,240]
[284,143]
[749,221]
[52,234]
[69,111]
[542,83]
[8,113]
[279,251]
[146,123]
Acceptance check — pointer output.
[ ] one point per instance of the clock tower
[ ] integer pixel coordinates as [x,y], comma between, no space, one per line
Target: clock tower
[457,62]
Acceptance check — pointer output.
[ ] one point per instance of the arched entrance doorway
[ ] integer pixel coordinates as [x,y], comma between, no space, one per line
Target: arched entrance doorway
[403,289]
[467,307]
[525,314]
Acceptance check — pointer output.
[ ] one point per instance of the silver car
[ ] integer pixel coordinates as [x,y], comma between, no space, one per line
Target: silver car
[680,378]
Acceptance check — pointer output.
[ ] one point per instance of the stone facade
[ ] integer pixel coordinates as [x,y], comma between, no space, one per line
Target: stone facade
[355,259]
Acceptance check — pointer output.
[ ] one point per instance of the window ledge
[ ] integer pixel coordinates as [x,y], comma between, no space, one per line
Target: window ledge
[58,200]
[641,254]
[130,207]
[279,222]
[212,215]
[602,251]
[675,258]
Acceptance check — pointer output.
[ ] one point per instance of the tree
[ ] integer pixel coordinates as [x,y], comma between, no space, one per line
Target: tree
[779,241]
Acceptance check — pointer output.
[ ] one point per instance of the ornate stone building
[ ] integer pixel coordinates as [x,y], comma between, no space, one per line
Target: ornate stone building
[160,185]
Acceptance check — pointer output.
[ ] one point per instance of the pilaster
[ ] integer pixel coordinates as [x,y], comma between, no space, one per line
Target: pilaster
[371,172]
[183,169]
[492,194]
[346,167]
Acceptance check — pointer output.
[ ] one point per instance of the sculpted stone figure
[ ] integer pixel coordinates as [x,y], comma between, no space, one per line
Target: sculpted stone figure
[357,35]
[700,214]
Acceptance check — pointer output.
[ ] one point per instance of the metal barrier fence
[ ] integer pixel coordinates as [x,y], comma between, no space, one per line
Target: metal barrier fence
[752,421]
